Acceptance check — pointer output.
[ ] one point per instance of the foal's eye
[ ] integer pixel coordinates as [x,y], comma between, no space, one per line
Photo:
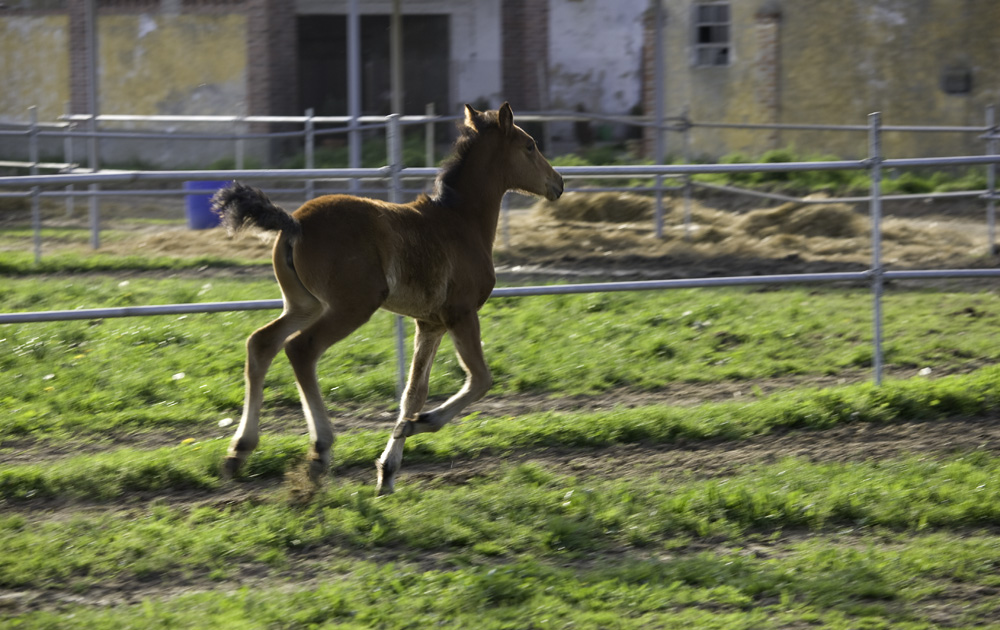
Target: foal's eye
[531,146]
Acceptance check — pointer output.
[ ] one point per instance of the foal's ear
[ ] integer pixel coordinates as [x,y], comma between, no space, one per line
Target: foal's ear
[471,115]
[506,115]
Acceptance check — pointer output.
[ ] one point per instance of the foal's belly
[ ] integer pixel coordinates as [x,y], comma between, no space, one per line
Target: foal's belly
[415,295]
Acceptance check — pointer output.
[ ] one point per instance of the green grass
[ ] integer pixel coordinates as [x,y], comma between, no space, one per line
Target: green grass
[64,380]
[120,509]
[194,466]
[823,583]
[527,539]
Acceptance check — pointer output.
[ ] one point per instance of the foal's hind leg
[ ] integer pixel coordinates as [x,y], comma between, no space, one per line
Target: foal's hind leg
[262,346]
[304,350]
[301,308]
[425,345]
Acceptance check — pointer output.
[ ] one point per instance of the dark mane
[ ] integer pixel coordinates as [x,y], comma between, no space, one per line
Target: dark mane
[444,185]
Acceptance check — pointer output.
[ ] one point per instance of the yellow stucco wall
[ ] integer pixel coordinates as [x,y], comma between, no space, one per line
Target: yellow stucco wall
[173,64]
[148,64]
[711,94]
[34,66]
[839,61]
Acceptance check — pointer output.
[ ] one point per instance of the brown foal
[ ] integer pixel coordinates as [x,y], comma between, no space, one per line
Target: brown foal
[340,258]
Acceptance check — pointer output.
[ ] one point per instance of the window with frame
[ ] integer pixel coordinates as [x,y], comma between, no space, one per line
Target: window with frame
[711,34]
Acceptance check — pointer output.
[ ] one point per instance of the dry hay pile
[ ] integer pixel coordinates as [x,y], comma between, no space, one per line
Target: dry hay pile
[584,225]
[598,207]
[589,224]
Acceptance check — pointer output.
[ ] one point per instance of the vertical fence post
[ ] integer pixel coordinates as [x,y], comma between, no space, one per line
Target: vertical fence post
[394,157]
[991,182]
[659,103]
[658,208]
[686,151]
[93,148]
[354,89]
[95,208]
[240,145]
[36,208]
[68,157]
[310,151]
[875,167]
[429,158]
[394,142]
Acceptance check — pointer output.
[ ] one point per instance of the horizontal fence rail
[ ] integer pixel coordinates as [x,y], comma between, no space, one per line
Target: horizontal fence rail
[506,292]
[32,185]
[618,171]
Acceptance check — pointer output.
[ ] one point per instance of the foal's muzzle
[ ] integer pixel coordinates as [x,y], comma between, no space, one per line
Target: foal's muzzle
[554,188]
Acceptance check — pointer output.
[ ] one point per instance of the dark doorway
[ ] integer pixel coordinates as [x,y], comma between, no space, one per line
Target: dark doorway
[323,64]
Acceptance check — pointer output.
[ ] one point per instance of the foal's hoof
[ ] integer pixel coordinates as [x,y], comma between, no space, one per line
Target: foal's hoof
[230,467]
[385,479]
[317,471]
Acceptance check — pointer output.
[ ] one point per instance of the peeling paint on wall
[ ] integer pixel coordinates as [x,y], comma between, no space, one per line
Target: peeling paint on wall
[147,24]
[838,62]
[148,64]
[595,54]
[173,64]
[34,66]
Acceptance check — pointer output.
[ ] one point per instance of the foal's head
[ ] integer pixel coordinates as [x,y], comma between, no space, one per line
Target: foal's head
[510,152]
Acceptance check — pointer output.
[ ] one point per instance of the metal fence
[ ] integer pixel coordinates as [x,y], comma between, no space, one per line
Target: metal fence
[395,173]
[87,127]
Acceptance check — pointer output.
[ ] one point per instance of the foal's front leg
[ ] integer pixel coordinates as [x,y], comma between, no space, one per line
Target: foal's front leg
[425,345]
[469,347]
[465,336]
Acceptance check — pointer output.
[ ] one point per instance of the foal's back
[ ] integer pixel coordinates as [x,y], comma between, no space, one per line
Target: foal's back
[420,258]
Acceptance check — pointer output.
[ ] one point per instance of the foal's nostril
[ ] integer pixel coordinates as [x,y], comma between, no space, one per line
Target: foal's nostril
[555,188]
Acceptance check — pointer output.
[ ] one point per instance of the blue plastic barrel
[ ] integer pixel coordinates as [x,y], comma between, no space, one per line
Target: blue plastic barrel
[198,208]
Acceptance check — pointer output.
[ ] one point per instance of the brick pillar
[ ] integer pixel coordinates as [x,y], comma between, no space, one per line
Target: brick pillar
[767,65]
[649,78]
[272,69]
[78,56]
[525,25]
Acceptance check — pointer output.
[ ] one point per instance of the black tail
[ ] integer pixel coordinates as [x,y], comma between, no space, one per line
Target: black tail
[242,206]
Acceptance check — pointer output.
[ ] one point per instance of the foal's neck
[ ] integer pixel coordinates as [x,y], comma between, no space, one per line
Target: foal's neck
[477,197]
[482,207]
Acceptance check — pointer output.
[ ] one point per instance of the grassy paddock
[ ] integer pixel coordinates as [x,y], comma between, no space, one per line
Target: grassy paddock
[63,380]
[117,473]
[848,545]
[111,529]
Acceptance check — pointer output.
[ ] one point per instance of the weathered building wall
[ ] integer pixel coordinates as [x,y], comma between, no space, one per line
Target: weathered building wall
[153,64]
[843,60]
[595,56]
[173,64]
[711,93]
[834,63]
[148,63]
[34,66]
